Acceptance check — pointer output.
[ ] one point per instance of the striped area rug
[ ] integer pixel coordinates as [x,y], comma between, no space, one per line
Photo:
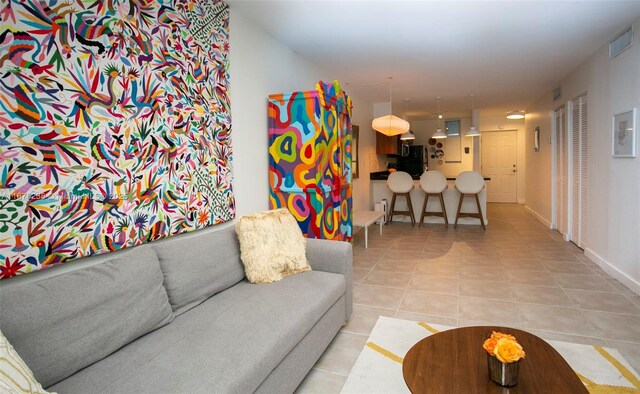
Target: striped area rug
[379,366]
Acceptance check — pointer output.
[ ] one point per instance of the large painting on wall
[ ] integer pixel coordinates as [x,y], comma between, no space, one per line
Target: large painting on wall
[114,126]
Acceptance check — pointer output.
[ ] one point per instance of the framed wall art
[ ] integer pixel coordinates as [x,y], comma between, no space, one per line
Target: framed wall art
[623,134]
[536,139]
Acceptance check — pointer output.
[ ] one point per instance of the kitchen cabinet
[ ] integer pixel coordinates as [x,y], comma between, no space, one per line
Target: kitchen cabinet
[386,145]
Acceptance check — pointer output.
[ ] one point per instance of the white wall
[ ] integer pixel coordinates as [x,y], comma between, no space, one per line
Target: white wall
[259,66]
[613,231]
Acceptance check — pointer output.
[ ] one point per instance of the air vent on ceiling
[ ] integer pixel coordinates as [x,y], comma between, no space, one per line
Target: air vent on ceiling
[557,93]
[621,43]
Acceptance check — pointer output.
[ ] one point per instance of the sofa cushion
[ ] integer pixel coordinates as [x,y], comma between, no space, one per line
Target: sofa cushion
[271,246]
[62,324]
[197,266]
[15,375]
[228,344]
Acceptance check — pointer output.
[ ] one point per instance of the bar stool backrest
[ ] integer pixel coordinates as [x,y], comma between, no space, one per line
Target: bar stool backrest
[433,182]
[400,182]
[470,182]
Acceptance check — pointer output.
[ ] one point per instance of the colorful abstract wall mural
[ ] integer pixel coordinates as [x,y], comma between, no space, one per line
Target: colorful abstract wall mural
[114,125]
[310,159]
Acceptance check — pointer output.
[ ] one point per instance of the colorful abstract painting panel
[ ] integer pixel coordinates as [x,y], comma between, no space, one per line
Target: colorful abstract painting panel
[310,159]
[114,126]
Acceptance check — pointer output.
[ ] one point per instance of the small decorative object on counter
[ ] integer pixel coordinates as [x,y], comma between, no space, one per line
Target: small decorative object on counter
[503,358]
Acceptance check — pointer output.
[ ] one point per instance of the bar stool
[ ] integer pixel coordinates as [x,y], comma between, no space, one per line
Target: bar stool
[401,184]
[433,183]
[470,183]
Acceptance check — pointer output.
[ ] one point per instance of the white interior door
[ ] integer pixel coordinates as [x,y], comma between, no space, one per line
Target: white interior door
[499,159]
[561,171]
[578,185]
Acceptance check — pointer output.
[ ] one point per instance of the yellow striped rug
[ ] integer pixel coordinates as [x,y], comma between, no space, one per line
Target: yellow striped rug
[379,366]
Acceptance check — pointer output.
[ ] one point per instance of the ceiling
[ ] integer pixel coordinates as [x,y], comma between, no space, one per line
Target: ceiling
[507,52]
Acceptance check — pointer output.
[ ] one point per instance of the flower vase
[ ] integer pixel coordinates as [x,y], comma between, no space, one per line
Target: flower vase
[505,375]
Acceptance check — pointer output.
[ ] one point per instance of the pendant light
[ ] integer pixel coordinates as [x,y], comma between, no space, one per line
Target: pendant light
[439,134]
[390,125]
[408,136]
[473,131]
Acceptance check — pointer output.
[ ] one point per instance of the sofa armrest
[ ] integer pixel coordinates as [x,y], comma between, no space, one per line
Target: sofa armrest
[335,257]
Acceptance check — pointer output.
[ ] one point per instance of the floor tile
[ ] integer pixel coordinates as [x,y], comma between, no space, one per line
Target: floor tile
[359,274]
[364,318]
[482,273]
[537,278]
[568,268]
[541,295]
[321,382]
[434,284]
[342,353]
[563,320]
[485,289]
[437,269]
[584,282]
[605,302]
[616,327]
[376,296]
[387,279]
[430,303]
[488,311]
[394,265]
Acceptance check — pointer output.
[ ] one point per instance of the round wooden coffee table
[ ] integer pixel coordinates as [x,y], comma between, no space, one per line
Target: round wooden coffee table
[454,361]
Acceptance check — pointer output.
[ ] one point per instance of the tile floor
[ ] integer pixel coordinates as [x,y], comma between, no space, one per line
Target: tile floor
[517,273]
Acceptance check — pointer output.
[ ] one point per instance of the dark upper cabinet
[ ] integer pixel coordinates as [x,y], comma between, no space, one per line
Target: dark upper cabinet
[387,145]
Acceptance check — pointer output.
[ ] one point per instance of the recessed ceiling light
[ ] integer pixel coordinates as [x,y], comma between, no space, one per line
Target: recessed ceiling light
[515,115]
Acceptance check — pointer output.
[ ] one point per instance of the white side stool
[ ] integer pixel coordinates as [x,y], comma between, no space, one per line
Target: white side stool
[468,184]
[434,183]
[400,183]
[365,219]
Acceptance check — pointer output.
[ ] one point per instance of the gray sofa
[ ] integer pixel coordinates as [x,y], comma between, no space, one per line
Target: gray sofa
[178,316]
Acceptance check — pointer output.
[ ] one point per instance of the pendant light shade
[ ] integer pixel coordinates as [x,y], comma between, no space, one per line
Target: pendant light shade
[439,134]
[473,131]
[408,136]
[390,125]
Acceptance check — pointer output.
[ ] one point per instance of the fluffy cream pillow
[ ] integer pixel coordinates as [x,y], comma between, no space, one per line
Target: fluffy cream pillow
[271,246]
[15,375]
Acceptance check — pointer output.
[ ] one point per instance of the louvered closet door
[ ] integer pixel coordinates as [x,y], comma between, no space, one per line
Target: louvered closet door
[578,170]
[561,154]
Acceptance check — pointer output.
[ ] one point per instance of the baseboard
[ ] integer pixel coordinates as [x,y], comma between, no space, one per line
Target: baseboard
[538,216]
[521,201]
[613,271]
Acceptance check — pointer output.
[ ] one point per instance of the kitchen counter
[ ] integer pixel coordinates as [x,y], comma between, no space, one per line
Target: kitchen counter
[384,175]
[379,191]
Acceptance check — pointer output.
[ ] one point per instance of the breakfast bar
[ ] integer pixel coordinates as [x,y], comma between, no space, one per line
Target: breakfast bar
[379,191]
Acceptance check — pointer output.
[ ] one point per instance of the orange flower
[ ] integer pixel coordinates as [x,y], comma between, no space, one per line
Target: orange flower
[489,345]
[508,350]
[498,335]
